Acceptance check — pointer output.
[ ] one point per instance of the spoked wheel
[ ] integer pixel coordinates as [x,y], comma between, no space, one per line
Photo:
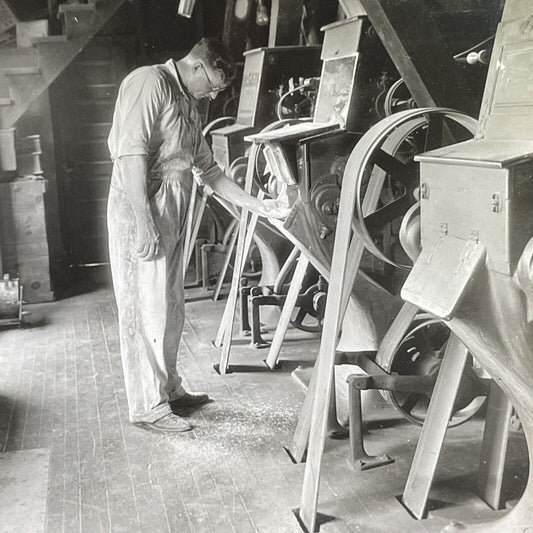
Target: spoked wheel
[386,154]
[295,105]
[420,354]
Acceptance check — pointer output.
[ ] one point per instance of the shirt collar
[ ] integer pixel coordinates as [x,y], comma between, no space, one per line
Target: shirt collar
[172,68]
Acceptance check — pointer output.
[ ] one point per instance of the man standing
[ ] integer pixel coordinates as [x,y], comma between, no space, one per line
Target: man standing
[155,143]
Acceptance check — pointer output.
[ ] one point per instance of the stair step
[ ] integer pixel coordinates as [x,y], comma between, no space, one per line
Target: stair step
[95,131]
[6,101]
[49,39]
[18,57]
[100,90]
[20,71]
[97,168]
[102,85]
[94,63]
[64,8]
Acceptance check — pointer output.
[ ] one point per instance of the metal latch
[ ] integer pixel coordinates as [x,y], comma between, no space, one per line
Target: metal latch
[496,202]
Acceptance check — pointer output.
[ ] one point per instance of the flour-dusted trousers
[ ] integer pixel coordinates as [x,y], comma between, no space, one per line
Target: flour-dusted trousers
[150,299]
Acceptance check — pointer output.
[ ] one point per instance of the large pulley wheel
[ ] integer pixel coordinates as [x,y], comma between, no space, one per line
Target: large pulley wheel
[420,354]
[386,153]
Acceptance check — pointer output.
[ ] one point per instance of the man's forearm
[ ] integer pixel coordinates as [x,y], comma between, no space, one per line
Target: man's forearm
[135,183]
[230,191]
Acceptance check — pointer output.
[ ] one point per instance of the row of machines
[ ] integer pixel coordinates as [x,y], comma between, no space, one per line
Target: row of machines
[468,235]
[373,191]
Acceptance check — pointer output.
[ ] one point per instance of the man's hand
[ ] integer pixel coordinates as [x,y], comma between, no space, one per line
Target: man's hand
[147,240]
[272,209]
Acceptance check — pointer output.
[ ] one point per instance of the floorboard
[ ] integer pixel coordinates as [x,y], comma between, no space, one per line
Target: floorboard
[61,390]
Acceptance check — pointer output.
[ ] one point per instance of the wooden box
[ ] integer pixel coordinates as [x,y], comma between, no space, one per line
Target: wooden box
[23,237]
[26,31]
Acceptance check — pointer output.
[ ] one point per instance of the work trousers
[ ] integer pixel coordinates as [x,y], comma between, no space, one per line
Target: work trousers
[150,300]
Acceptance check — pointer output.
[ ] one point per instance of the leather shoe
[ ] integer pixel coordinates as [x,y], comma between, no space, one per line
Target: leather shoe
[170,423]
[190,399]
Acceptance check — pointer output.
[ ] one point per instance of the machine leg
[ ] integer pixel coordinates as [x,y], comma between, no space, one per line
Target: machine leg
[205,250]
[244,292]
[494,447]
[326,357]
[334,429]
[359,458]
[395,334]
[225,331]
[300,439]
[246,233]
[256,341]
[298,446]
[189,225]
[432,435]
[227,259]
[286,313]
[198,262]
[198,216]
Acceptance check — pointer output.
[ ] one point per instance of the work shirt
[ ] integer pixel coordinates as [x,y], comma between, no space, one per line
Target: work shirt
[156,117]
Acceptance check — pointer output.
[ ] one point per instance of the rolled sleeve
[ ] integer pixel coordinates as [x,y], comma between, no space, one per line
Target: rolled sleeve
[139,104]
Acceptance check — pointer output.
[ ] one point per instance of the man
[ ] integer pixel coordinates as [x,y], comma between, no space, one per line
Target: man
[155,143]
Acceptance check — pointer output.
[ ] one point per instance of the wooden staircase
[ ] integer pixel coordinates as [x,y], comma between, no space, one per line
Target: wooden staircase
[25,73]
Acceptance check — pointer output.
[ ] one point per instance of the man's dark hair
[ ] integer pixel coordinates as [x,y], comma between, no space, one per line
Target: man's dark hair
[215,54]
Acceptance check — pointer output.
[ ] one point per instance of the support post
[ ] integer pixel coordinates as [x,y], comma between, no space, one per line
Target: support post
[494,447]
[429,446]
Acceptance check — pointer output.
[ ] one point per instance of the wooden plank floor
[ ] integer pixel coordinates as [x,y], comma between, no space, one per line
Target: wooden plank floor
[61,389]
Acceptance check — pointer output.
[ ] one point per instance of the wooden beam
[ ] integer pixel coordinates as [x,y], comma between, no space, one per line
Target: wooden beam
[285,22]
[420,53]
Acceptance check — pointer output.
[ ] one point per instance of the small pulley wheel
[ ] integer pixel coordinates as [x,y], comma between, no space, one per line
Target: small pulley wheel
[420,354]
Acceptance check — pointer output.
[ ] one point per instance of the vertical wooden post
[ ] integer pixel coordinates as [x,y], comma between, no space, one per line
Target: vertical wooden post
[440,409]
[285,22]
[494,447]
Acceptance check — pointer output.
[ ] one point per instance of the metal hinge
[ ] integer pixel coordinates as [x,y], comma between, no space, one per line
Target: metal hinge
[474,235]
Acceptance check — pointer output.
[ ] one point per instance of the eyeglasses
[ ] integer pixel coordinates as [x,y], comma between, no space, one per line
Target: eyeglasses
[212,88]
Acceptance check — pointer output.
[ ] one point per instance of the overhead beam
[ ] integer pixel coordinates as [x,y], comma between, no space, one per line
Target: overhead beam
[285,22]
[420,53]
